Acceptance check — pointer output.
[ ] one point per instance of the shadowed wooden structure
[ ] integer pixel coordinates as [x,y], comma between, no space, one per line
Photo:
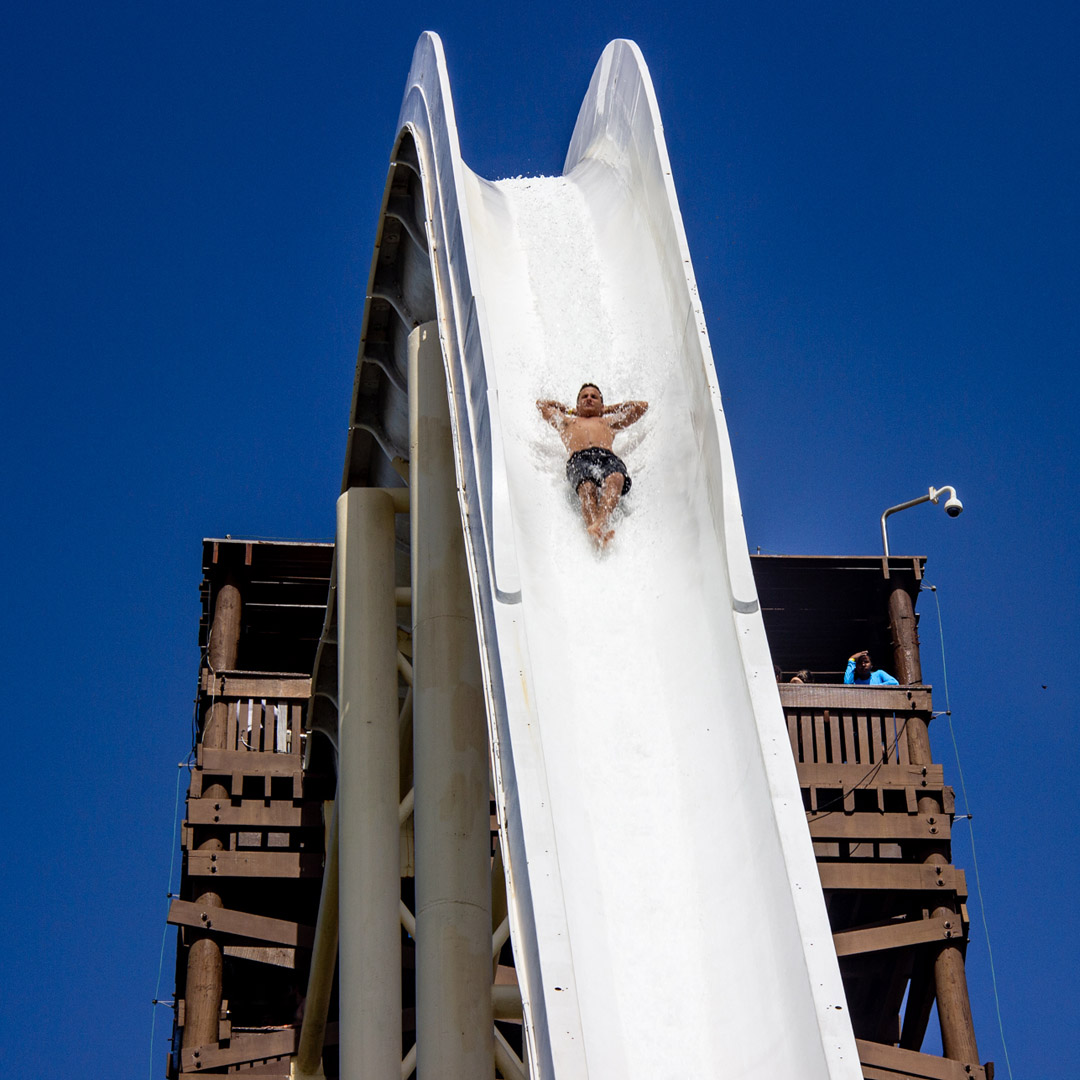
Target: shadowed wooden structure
[255,832]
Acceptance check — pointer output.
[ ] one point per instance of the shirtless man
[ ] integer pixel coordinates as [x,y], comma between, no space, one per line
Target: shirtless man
[587,431]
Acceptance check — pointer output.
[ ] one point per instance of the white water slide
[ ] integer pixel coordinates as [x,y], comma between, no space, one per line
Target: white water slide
[666,914]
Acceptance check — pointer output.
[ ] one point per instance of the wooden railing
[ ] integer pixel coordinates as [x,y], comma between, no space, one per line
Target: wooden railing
[851,725]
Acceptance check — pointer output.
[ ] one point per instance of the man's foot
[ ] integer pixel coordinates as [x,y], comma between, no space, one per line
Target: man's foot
[600,535]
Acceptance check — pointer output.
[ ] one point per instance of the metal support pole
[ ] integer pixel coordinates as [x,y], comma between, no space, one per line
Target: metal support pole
[203,988]
[950,977]
[308,1063]
[454,1018]
[368,852]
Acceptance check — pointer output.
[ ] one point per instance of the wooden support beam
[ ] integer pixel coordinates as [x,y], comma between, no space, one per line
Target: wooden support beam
[274,955]
[253,684]
[821,774]
[848,698]
[253,813]
[893,1063]
[204,961]
[940,878]
[247,762]
[268,864]
[240,924]
[835,825]
[242,1049]
[897,935]
[905,636]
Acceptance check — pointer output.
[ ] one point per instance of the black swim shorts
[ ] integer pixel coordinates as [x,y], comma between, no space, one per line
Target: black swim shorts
[596,464]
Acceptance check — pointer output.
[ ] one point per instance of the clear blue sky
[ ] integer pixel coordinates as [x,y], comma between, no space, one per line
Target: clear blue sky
[881,203]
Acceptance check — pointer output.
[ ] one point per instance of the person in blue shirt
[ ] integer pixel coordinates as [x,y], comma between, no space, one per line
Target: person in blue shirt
[860,672]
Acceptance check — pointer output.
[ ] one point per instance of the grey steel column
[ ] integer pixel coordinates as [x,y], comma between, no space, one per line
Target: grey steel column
[454,1022]
[369,860]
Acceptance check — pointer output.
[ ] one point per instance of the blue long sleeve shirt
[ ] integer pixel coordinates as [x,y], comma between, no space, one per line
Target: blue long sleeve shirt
[877,678]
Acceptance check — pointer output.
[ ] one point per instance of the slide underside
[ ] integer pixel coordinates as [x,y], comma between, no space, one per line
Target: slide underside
[666,914]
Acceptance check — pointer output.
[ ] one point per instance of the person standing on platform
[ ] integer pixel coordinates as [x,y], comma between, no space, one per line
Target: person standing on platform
[860,672]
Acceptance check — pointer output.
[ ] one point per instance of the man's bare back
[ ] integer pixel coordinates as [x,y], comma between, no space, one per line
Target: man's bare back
[599,477]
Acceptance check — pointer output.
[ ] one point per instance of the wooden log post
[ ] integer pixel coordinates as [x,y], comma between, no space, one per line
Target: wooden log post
[950,977]
[905,636]
[203,994]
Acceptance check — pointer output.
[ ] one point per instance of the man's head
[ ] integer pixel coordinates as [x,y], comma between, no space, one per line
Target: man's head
[590,402]
[863,665]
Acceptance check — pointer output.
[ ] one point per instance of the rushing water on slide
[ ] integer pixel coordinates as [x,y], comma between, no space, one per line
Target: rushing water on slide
[621,642]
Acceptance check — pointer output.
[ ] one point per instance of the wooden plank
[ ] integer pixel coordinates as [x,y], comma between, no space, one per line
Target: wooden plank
[249,762]
[231,724]
[902,756]
[274,955]
[848,723]
[240,924]
[863,725]
[296,726]
[813,774]
[262,717]
[241,1049]
[246,718]
[820,753]
[268,864]
[911,1065]
[882,827]
[806,738]
[817,696]
[793,736]
[877,744]
[279,1069]
[903,876]
[254,813]
[897,935]
[253,685]
[834,736]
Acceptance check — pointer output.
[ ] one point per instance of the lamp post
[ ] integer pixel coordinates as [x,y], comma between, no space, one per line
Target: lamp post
[953,507]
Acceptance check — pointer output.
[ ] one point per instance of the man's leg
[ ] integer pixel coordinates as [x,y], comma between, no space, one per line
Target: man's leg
[608,500]
[589,507]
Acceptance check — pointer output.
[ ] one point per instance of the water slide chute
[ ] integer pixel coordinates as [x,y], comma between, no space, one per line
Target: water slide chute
[665,909]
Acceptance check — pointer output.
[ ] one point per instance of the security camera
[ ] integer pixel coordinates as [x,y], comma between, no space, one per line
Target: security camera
[954,507]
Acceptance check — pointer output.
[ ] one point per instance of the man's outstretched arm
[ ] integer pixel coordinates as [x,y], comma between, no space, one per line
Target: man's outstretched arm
[554,412]
[625,413]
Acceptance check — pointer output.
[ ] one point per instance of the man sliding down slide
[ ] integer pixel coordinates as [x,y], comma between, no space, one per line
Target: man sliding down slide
[587,431]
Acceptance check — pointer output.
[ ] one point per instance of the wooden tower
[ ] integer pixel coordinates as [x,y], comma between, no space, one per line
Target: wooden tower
[257,832]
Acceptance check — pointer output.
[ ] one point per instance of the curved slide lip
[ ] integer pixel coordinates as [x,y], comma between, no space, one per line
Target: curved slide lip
[618,129]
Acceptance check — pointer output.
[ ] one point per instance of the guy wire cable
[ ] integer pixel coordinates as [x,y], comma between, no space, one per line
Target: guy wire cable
[165,932]
[971,826]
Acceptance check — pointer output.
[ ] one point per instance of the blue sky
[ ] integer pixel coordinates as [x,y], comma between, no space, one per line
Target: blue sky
[881,203]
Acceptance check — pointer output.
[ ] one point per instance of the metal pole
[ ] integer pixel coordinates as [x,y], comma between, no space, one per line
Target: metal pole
[950,977]
[308,1063]
[202,996]
[368,846]
[896,509]
[454,1017]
